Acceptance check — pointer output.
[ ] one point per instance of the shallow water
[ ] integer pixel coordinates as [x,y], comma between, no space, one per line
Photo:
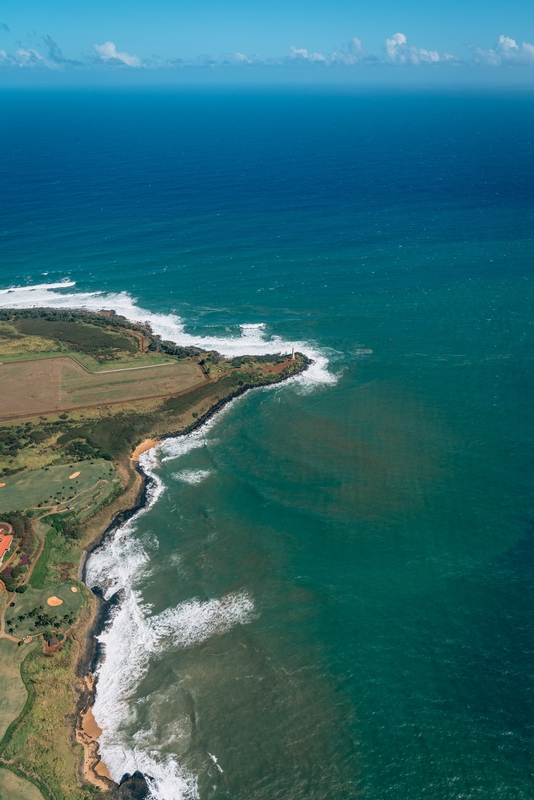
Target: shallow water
[331,593]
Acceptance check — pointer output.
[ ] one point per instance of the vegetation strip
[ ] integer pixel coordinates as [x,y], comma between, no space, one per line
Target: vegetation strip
[94,372]
[10,763]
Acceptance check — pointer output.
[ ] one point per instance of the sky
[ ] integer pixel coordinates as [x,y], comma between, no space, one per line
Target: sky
[168,36]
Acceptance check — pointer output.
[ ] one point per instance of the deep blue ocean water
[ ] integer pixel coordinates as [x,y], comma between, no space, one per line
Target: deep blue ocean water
[333,593]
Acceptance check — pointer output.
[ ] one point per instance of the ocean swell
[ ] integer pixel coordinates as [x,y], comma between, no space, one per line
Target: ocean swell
[135,635]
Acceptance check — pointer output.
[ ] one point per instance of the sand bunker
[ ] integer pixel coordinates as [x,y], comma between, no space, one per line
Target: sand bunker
[74,475]
[54,601]
[73,589]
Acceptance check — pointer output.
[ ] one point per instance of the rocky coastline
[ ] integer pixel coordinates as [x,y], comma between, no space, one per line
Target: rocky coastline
[130,787]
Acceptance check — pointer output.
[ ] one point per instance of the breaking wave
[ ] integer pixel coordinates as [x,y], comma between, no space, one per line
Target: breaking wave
[192,476]
[253,339]
[135,636]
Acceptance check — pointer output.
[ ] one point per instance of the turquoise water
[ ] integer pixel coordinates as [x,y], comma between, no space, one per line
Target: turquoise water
[332,591]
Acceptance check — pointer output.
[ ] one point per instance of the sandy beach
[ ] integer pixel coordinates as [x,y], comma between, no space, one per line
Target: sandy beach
[88,733]
[147,444]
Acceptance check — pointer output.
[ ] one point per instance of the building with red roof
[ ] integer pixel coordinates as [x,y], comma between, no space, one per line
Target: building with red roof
[5,544]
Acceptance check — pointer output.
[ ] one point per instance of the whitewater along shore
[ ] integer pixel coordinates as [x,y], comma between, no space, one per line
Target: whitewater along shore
[89,451]
[87,730]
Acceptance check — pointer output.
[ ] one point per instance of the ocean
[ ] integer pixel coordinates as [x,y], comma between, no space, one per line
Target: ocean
[330,594]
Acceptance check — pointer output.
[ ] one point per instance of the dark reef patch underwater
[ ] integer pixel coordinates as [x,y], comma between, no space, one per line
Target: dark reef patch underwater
[329,595]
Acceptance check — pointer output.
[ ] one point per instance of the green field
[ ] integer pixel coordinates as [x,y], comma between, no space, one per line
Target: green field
[60,556]
[41,740]
[44,486]
[140,360]
[13,694]
[36,599]
[14,788]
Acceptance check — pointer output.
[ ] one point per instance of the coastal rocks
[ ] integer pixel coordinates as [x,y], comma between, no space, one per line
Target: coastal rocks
[87,734]
[132,787]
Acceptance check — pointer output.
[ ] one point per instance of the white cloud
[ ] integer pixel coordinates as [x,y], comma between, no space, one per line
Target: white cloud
[355,46]
[355,53]
[237,58]
[394,45]
[108,52]
[25,58]
[506,51]
[301,54]
[398,51]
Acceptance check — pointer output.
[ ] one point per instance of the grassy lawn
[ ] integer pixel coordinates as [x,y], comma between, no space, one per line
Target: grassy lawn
[59,617]
[11,787]
[41,741]
[58,561]
[47,484]
[13,694]
[127,362]
[8,358]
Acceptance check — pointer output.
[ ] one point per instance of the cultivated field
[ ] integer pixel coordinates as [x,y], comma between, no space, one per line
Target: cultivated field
[56,384]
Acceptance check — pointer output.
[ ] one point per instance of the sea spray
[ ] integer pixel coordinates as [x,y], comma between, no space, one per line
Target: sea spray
[252,340]
[113,565]
[134,636]
[192,476]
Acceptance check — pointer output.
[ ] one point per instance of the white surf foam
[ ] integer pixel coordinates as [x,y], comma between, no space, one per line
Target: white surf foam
[136,635]
[133,639]
[178,446]
[252,340]
[114,566]
[192,476]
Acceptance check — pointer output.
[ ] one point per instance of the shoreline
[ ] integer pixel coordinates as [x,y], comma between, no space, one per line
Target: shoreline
[87,731]
[145,445]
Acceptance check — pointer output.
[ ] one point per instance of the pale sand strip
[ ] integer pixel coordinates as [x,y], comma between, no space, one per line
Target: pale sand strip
[148,444]
[88,733]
